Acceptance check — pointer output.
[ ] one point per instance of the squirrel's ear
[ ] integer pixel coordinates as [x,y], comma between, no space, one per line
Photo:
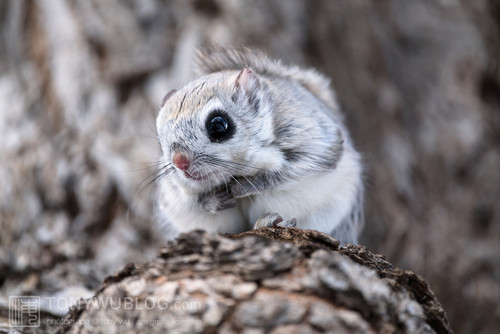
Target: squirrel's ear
[167,96]
[248,81]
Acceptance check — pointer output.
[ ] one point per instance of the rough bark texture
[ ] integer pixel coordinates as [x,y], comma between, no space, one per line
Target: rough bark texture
[81,81]
[282,281]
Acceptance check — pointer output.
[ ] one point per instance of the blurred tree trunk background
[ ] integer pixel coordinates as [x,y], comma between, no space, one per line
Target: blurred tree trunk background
[80,86]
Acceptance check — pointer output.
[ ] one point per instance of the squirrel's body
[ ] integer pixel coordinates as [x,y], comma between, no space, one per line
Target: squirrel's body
[250,138]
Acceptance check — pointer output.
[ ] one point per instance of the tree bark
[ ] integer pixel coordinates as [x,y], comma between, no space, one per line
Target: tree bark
[271,280]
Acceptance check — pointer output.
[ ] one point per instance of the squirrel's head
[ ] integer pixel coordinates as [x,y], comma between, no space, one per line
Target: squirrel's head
[218,127]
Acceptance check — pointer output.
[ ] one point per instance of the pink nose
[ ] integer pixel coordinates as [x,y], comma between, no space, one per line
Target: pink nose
[181,161]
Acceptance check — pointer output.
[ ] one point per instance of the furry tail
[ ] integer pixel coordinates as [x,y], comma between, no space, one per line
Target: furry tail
[218,58]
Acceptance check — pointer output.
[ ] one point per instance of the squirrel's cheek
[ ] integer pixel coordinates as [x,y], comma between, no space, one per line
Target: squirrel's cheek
[268,159]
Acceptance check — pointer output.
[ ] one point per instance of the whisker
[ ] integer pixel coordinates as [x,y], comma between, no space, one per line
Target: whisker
[214,176]
[232,170]
[227,187]
[227,163]
[253,185]
[152,127]
[243,165]
[151,165]
[154,176]
[158,176]
[250,198]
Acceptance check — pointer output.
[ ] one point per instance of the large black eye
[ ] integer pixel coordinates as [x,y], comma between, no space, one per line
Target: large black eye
[219,127]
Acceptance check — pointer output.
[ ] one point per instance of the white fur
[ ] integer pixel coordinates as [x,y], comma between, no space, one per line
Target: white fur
[318,201]
[179,213]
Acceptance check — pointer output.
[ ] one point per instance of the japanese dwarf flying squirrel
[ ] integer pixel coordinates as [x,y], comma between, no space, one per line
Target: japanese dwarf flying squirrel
[255,143]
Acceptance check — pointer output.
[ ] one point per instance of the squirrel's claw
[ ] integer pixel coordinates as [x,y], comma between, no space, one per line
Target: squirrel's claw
[274,220]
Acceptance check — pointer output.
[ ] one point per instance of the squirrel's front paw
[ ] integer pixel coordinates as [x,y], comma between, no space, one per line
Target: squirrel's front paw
[274,220]
[217,200]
